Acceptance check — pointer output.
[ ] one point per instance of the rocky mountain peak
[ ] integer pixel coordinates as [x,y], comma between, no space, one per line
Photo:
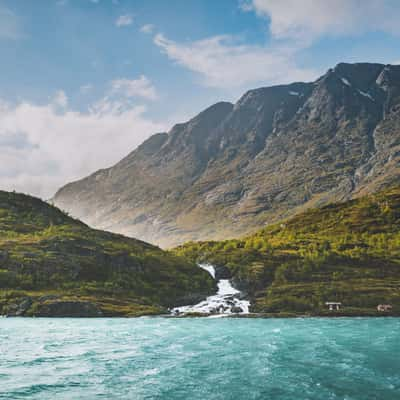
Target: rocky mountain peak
[384,78]
[360,75]
[197,131]
[234,168]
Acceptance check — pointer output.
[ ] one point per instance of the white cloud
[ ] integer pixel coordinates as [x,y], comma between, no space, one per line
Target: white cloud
[224,63]
[44,147]
[60,99]
[148,28]
[141,87]
[124,20]
[9,24]
[307,20]
[246,5]
[86,88]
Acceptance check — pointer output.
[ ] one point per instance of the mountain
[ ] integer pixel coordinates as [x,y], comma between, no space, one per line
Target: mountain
[234,168]
[53,265]
[347,252]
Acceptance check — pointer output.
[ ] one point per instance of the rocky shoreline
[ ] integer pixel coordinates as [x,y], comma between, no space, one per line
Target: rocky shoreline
[49,306]
[52,306]
[98,314]
[227,302]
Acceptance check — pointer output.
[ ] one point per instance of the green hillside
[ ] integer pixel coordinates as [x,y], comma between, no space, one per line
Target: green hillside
[349,253]
[51,264]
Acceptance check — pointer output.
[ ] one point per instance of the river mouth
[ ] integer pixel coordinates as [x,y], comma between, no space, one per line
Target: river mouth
[226,301]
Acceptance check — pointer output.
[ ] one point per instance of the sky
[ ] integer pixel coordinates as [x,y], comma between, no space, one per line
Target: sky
[84,82]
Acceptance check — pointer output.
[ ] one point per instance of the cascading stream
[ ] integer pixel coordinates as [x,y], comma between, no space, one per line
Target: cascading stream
[226,301]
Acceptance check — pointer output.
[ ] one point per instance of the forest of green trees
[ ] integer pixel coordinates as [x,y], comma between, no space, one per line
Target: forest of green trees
[348,252]
[44,252]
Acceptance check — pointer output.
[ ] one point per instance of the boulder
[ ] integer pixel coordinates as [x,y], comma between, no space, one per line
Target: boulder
[222,272]
[48,297]
[69,308]
[24,306]
[19,308]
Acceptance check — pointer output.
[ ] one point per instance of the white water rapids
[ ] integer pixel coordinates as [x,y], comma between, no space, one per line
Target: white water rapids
[226,301]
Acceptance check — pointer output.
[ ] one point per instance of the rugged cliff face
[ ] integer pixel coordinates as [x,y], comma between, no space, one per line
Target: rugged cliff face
[234,168]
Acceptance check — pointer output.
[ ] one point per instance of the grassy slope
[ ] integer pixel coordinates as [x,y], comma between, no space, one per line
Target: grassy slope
[346,252]
[45,252]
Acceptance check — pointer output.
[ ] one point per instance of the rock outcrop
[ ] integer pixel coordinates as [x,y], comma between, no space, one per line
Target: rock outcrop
[68,309]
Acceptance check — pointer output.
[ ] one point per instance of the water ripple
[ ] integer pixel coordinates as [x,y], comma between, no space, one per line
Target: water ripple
[200,359]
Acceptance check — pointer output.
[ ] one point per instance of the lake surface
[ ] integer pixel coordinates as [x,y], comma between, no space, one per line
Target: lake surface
[202,358]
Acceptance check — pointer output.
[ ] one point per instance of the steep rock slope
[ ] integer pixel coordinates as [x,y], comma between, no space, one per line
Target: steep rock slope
[234,168]
[53,265]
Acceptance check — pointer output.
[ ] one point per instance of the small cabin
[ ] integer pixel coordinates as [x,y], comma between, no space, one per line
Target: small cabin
[333,305]
[384,307]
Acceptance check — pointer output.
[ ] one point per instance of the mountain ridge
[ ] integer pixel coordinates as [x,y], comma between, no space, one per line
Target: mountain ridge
[54,265]
[343,252]
[235,167]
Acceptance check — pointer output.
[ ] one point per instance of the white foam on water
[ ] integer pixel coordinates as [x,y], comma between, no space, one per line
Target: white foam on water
[226,301]
[209,268]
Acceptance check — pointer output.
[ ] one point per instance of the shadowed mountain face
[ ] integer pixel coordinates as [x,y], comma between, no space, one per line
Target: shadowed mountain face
[234,168]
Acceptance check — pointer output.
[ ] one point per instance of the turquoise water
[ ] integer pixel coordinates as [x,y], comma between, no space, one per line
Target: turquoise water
[158,358]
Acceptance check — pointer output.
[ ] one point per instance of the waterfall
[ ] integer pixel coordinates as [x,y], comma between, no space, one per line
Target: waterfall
[226,301]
